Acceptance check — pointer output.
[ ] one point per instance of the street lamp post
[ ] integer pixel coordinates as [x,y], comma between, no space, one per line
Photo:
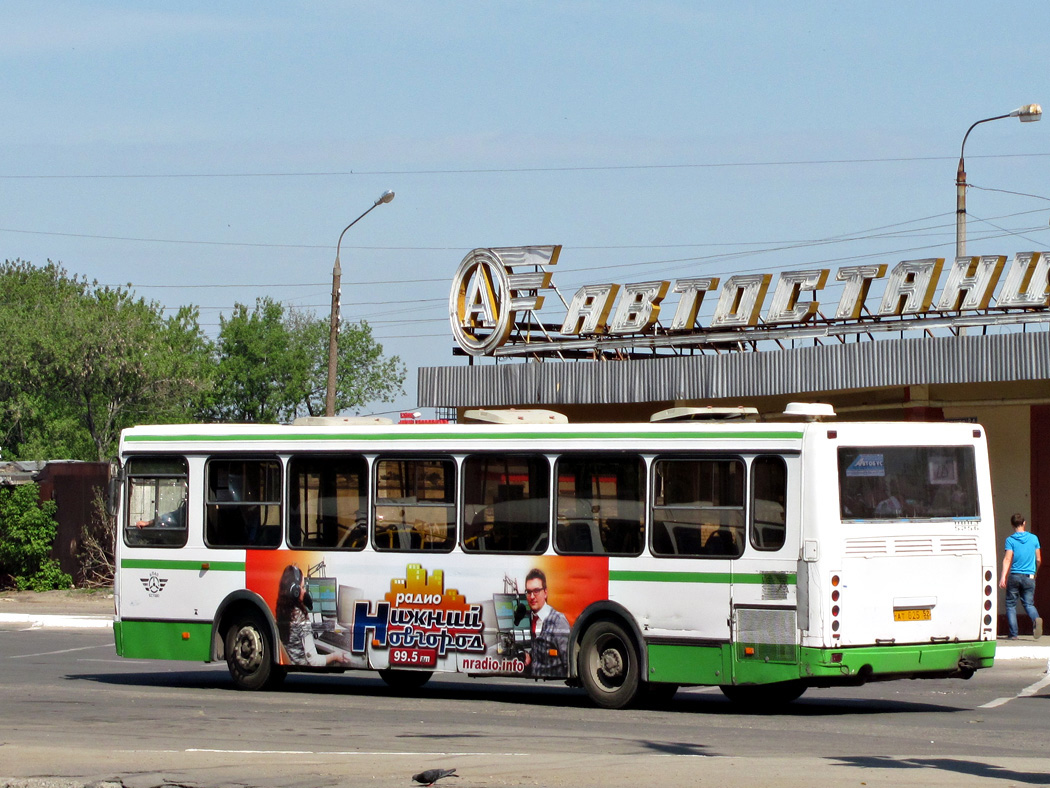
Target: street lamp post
[1027,114]
[333,329]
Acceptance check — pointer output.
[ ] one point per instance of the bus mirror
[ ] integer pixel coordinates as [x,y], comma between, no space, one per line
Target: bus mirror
[113,493]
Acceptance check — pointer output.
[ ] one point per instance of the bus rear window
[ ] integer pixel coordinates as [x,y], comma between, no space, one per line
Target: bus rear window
[907,483]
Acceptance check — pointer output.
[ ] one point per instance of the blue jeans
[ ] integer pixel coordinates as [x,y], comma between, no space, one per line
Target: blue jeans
[1021,586]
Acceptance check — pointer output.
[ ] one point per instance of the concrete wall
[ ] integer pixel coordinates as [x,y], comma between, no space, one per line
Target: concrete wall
[1009,437]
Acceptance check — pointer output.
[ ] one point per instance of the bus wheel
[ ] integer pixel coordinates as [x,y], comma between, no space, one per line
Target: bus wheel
[764,695]
[249,655]
[405,680]
[608,665]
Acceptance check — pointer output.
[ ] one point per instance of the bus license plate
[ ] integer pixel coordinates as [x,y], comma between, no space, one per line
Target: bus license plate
[924,614]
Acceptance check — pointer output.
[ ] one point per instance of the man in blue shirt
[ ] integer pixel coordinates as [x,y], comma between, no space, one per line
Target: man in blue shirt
[1020,565]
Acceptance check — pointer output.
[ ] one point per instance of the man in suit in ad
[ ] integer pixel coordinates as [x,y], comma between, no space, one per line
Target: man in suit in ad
[548,656]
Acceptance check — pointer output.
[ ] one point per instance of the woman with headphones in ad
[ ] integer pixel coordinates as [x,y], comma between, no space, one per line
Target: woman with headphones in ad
[293,621]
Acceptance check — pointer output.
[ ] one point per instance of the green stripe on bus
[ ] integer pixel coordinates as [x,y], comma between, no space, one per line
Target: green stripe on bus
[196,566]
[456,436]
[637,576]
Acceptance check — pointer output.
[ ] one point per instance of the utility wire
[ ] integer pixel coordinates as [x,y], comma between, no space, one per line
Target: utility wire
[503,170]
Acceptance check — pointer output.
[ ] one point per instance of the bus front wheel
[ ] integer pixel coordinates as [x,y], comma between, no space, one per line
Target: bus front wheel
[249,655]
[609,665]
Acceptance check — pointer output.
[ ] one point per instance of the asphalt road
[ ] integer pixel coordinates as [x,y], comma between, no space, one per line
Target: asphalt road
[76,712]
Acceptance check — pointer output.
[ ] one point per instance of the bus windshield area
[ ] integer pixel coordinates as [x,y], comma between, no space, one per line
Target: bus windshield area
[907,483]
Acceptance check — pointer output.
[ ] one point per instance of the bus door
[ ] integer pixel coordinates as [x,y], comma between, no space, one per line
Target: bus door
[764,619]
[698,518]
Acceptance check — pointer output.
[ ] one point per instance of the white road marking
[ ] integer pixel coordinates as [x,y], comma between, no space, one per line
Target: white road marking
[338,752]
[63,651]
[1026,692]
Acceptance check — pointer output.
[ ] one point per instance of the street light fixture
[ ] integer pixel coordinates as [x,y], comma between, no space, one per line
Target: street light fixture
[1026,113]
[333,330]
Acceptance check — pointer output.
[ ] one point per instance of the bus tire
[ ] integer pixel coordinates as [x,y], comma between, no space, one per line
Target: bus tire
[759,696]
[609,665]
[405,680]
[249,654]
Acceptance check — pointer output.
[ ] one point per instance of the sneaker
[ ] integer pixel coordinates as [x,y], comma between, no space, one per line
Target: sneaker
[1037,629]
[1011,637]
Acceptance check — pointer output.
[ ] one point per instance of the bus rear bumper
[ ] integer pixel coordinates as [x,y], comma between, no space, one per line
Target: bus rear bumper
[860,664]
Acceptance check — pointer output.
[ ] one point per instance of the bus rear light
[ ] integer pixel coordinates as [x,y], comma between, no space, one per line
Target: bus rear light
[987,620]
[836,657]
[988,575]
[987,604]
[835,580]
[749,651]
[834,626]
[835,595]
[987,590]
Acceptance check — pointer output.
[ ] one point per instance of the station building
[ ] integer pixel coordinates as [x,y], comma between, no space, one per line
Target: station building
[920,340]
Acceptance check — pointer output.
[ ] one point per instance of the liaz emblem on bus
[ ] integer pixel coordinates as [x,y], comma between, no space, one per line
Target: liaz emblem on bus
[154,584]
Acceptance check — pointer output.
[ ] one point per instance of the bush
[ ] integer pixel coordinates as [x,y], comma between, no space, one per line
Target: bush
[95,553]
[27,533]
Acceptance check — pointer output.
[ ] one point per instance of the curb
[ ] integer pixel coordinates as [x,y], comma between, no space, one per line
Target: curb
[57,622]
[1022,652]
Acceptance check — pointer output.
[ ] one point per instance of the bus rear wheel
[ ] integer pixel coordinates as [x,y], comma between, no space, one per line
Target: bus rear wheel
[609,665]
[405,680]
[249,655]
[764,695]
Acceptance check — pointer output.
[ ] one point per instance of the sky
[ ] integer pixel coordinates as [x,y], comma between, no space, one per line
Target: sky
[211,153]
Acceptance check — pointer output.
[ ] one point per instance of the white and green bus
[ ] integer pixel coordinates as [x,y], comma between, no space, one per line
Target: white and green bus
[760,557]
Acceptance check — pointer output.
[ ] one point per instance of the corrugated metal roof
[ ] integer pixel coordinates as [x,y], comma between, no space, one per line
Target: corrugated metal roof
[857,365]
[19,472]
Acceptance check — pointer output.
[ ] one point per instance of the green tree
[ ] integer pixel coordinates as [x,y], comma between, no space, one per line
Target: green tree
[27,532]
[363,373]
[259,371]
[272,366]
[81,361]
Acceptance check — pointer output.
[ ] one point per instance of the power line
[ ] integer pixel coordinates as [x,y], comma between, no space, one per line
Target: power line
[504,170]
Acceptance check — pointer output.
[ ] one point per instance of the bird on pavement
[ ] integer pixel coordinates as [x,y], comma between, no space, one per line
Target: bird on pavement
[431,776]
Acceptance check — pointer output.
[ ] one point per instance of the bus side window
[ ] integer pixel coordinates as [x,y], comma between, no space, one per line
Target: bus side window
[243,506]
[415,505]
[155,515]
[600,504]
[506,508]
[768,503]
[698,508]
[327,502]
